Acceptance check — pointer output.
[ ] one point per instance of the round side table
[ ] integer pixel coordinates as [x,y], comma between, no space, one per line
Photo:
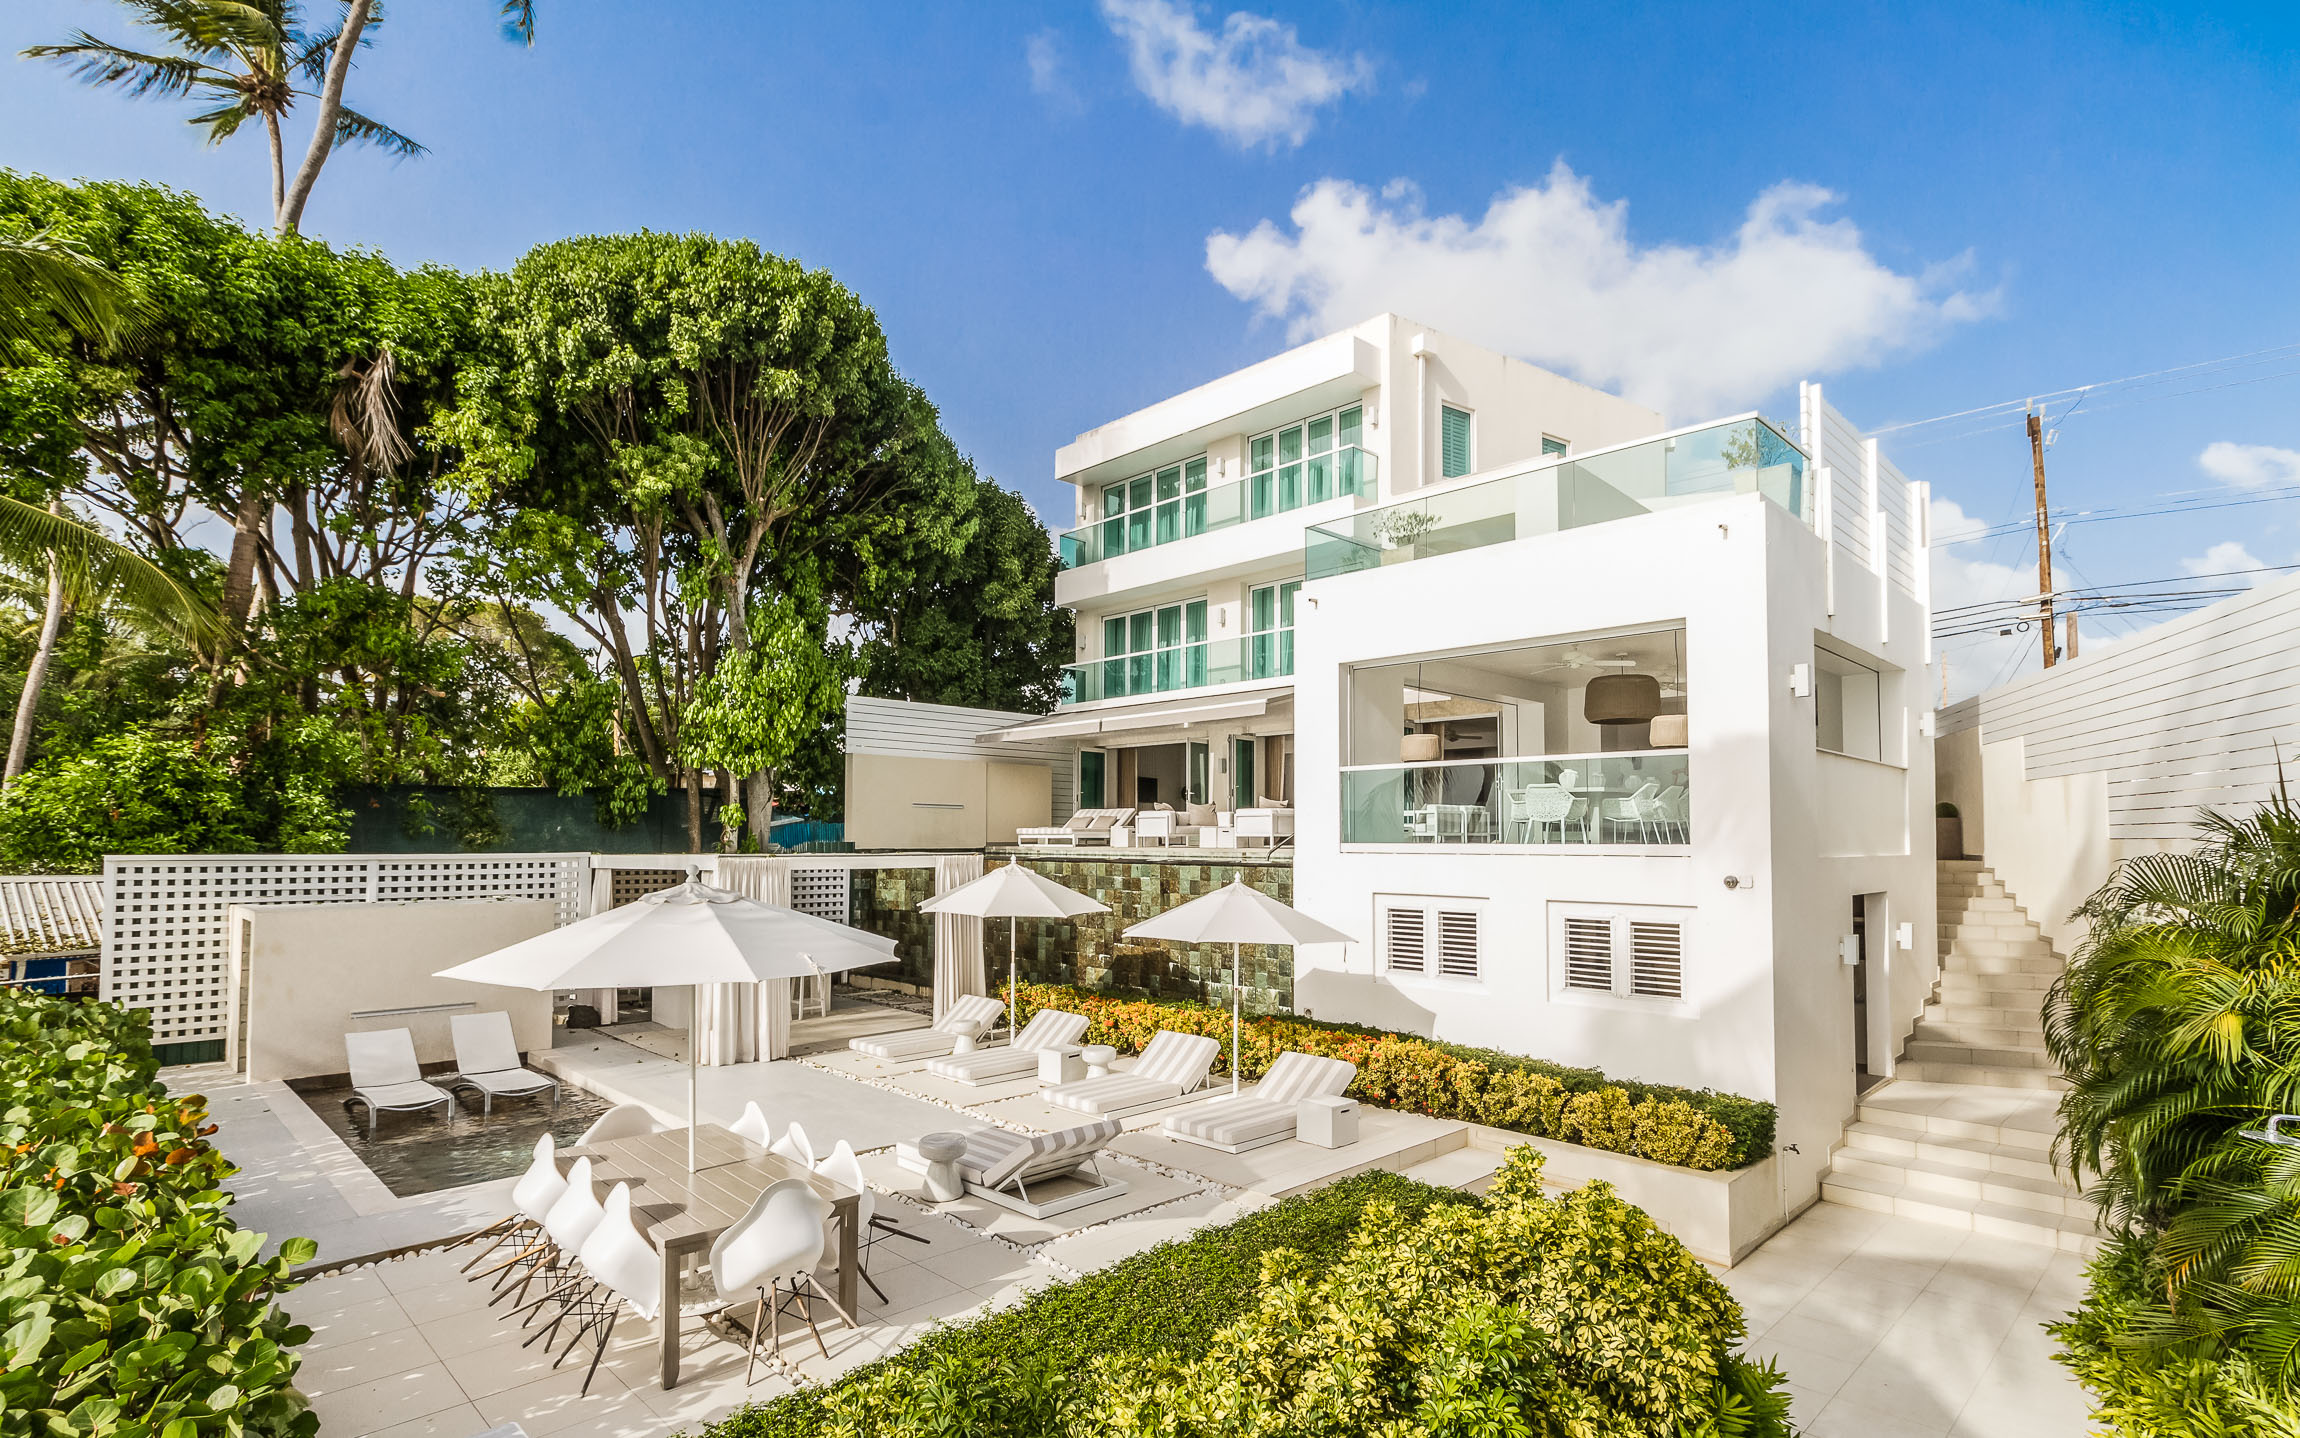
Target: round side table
[942,1152]
[1097,1058]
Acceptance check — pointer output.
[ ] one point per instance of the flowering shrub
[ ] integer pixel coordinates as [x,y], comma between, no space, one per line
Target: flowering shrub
[130,1304]
[1692,1128]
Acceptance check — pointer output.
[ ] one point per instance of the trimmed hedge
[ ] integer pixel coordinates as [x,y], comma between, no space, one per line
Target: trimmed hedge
[1171,1299]
[131,1306]
[1694,1128]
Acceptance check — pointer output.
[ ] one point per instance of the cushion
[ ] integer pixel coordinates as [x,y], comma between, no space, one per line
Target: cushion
[1232,1121]
[1265,802]
[1200,816]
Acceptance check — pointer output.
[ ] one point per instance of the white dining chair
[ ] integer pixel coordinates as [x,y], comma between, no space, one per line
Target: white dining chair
[624,1120]
[569,1221]
[753,1125]
[1619,814]
[845,1169]
[531,1199]
[794,1146]
[778,1245]
[1669,812]
[625,1272]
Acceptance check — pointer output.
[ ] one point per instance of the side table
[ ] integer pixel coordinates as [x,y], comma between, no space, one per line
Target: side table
[942,1152]
[1097,1058]
[1327,1122]
[1060,1066]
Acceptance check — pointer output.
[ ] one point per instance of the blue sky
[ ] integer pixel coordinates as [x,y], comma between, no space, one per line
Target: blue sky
[1927,208]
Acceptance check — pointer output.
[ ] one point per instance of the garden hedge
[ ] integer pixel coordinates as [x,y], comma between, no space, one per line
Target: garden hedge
[1694,1128]
[131,1305]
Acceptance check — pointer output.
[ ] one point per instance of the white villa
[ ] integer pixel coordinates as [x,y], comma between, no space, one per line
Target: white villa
[1603,734]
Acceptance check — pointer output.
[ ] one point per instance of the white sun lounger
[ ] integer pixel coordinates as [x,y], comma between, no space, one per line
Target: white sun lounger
[968,1017]
[1170,1067]
[1265,1113]
[1048,1029]
[1085,826]
[487,1059]
[1000,1165]
[386,1077]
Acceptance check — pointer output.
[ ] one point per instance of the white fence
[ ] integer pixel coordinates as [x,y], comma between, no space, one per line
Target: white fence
[1871,514]
[164,940]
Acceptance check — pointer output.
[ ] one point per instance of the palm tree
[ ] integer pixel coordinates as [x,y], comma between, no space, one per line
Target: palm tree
[45,282]
[246,57]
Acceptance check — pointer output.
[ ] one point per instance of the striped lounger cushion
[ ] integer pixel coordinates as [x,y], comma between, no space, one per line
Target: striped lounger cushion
[969,1016]
[997,1157]
[1266,1112]
[1171,1066]
[1047,1029]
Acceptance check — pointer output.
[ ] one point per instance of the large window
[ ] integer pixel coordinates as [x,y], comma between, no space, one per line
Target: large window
[1155,508]
[1154,650]
[1270,629]
[1453,441]
[1304,463]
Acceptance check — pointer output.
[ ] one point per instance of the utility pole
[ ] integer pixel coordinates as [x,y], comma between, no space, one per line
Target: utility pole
[2043,536]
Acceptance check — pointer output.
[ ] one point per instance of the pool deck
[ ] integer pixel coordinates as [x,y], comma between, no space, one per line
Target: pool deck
[1885,1326]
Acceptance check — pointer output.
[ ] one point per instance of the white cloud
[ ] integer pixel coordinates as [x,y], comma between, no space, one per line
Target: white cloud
[1049,72]
[2250,466]
[2228,557]
[1962,575]
[1551,274]
[1253,83]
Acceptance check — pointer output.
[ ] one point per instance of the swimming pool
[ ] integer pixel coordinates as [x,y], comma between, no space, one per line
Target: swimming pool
[423,1153]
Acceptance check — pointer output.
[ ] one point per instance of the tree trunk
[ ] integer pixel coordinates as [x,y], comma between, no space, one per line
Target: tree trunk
[290,214]
[28,706]
[279,165]
[759,806]
[240,571]
[694,811]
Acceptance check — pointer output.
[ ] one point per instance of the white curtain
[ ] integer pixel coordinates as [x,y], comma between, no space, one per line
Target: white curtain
[602,899]
[957,938]
[768,1005]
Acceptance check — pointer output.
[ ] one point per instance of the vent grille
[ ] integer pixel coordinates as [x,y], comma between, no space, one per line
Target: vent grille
[1656,970]
[1408,942]
[1589,954]
[1457,944]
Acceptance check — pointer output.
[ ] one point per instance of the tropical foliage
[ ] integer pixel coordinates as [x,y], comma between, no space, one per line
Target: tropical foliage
[2175,1024]
[1694,1128]
[130,1304]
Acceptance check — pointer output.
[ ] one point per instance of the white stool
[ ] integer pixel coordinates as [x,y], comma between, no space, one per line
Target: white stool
[1060,1066]
[1327,1122]
[942,1151]
[1098,1058]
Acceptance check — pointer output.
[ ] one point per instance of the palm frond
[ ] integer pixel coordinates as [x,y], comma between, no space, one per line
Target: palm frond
[519,21]
[109,66]
[99,572]
[45,281]
[224,123]
[353,128]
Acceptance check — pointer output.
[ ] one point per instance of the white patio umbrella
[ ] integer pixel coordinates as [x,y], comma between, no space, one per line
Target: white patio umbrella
[1013,893]
[690,934]
[1234,915]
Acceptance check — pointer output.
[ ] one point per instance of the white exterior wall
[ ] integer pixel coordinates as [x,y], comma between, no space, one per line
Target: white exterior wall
[1768,1006]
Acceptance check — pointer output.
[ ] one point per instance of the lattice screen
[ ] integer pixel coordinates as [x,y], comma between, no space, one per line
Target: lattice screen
[630,884]
[821,892]
[164,942]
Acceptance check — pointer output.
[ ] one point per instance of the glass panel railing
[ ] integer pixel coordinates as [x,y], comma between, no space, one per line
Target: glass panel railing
[1186,666]
[1343,472]
[1577,799]
[1745,456]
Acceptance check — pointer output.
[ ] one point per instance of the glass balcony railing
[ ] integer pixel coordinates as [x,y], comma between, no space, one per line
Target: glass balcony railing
[1567,799]
[1187,666]
[1164,518]
[1743,456]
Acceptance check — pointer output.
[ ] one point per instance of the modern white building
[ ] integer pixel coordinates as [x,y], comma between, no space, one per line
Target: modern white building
[1602,734]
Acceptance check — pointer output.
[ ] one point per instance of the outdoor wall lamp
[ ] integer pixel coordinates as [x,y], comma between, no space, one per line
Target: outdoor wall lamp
[1801,681]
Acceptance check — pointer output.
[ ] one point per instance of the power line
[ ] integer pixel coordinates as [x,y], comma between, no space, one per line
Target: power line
[2080,393]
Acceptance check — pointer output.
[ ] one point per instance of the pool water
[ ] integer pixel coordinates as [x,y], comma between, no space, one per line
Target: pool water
[423,1153]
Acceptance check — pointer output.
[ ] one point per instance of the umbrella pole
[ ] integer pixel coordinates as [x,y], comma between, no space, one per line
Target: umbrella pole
[694,1028]
[1234,1025]
[1013,969]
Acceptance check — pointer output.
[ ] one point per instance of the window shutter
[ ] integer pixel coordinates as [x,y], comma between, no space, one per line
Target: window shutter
[1408,941]
[1589,954]
[1457,944]
[1656,970]
[1453,433]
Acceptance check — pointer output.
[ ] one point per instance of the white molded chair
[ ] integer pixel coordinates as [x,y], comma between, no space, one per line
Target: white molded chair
[844,1169]
[531,1199]
[753,1125]
[386,1077]
[624,1120]
[568,1222]
[1533,811]
[778,1244]
[624,1269]
[487,1059]
[1619,814]
[795,1146]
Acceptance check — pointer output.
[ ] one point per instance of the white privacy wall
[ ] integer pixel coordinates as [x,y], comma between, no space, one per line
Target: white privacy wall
[898,728]
[164,933]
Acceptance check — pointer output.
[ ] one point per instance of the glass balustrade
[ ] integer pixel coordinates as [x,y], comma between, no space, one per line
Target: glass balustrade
[1744,456]
[1163,518]
[1568,799]
[1182,666]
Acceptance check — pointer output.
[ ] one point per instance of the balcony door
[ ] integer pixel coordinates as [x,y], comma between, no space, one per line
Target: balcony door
[1270,634]
[1154,650]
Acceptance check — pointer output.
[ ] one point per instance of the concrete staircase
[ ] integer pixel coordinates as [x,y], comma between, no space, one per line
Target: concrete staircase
[1962,1135]
[1984,1028]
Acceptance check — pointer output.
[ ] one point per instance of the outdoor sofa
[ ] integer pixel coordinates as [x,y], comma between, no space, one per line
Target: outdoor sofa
[1267,1112]
[1085,826]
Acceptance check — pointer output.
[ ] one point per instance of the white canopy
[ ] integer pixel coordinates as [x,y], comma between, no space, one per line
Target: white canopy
[1234,915]
[1013,892]
[690,934]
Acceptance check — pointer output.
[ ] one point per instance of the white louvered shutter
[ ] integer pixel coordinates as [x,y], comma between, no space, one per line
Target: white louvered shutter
[1656,969]
[1589,954]
[1408,951]
[1457,944]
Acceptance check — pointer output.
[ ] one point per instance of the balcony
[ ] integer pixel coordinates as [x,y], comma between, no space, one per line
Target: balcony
[1181,667]
[1163,508]
[1740,456]
[1557,802]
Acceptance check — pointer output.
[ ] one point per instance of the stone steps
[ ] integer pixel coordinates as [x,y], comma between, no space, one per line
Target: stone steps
[1987,1076]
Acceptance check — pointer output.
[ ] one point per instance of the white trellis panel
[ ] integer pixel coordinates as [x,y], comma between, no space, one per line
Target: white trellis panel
[822,892]
[164,913]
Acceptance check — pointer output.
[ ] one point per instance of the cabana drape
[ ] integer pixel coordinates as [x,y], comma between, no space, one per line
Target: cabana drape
[957,938]
[742,1023]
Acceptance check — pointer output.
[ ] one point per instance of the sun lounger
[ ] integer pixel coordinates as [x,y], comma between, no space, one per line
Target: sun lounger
[967,1018]
[1002,1166]
[1265,1113]
[386,1077]
[1170,1067]
[1047,1029]
[1086,826]
[487,1059]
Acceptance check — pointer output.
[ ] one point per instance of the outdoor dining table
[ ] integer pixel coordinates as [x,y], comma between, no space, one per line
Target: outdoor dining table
[684,1213]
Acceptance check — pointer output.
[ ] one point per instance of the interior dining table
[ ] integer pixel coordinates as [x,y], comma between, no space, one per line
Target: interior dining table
[683,1213]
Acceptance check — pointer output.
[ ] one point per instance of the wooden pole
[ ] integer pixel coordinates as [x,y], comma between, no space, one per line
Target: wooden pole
[2043,537]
